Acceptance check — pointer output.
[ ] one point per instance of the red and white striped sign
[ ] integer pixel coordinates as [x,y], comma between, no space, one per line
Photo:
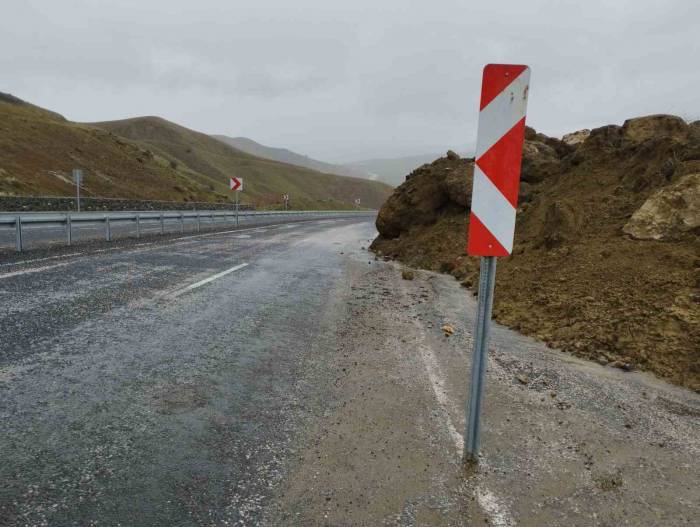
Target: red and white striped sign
[236,183]
[499,150]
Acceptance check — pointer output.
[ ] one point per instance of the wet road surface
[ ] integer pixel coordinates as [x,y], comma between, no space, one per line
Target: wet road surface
[127,398]
[283,376]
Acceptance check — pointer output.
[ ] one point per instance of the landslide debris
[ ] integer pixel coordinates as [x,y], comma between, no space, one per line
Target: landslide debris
[606,261]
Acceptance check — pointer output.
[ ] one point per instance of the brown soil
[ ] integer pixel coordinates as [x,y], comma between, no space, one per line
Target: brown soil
[575,280]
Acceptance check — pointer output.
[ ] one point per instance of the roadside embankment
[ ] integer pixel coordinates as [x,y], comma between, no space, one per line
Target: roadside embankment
[605,263]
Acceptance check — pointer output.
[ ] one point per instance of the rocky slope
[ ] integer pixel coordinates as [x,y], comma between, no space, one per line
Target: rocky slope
[606,262]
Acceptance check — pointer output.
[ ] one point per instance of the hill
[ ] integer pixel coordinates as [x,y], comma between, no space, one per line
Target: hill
[605,262]
[151,158]
[39,148]
[284,155]
[265,180]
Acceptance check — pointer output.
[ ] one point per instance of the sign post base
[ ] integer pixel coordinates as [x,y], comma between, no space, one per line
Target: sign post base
[487,278]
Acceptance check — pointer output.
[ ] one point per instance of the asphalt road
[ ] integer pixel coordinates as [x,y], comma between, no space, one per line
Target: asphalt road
[282,376]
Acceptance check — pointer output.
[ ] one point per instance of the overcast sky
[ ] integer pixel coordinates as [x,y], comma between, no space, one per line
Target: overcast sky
[353,79]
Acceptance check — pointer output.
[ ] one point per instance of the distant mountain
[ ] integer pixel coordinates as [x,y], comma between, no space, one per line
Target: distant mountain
[283,155]
[392,171]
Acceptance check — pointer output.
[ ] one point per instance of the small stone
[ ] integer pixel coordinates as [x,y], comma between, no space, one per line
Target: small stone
[447,329]
[523,379]
[407,275]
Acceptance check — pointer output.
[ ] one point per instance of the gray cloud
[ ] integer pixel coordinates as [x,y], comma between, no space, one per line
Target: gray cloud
[341,80]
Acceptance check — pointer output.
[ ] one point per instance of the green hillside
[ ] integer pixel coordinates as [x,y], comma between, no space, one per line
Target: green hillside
[38,150]
[151,158]
[265,180]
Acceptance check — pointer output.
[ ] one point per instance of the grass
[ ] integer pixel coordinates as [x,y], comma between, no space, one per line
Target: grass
[151,158]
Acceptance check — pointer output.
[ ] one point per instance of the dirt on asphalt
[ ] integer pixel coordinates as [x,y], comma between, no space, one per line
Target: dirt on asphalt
[606,261]
[565,442]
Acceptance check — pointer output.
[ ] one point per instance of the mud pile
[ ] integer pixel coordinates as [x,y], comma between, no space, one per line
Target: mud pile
[606,262]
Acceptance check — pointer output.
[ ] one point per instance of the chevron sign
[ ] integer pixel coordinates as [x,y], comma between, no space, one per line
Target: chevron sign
[499,148]
[236,183]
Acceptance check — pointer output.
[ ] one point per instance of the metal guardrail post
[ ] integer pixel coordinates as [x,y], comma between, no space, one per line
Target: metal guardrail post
[182,222]
[108,230]
[199,223]
[69,229]
[18,233]
[162,226]
[138,226]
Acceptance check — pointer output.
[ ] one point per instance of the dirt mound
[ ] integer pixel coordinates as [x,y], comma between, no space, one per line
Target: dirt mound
[580,277]
[427,190]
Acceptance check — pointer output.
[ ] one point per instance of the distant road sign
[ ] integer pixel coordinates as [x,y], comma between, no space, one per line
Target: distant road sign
[77,176]
[236,183]
[499,150]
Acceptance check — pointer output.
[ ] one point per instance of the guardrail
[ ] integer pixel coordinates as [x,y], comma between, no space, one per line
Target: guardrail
[160,217]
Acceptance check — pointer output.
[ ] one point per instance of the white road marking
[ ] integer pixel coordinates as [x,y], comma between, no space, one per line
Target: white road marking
[489,502]
[493,507]
[34,270]
[22,262]
[438,385]
[243,236]
[207,280]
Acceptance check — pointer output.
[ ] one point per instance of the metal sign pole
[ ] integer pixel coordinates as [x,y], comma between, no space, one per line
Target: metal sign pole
[487,279]
[236,208]
[77,177]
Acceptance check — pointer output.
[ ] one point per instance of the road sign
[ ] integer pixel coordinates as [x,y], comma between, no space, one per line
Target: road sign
[78,180]
[499,149]
[236,183]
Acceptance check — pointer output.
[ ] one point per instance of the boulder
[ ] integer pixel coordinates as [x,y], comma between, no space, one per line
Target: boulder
[415,201]
[447,181]
[670,213]
[642,129]
[575,138]
[540,161]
